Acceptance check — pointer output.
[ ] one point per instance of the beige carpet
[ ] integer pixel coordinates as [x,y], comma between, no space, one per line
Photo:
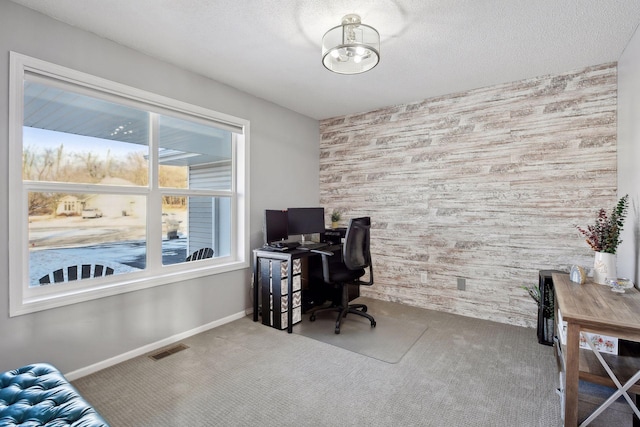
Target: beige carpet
[397,329]
[460,372]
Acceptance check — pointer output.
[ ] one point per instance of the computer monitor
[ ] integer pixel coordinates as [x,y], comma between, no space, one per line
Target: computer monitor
[305,221]
[275,226]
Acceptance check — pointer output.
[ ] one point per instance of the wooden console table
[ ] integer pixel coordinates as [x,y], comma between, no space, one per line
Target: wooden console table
[595,308]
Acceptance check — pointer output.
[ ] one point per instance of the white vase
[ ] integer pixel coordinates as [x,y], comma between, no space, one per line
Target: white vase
[604,265]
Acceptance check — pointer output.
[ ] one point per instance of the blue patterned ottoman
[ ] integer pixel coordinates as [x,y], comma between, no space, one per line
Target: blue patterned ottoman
[39,395]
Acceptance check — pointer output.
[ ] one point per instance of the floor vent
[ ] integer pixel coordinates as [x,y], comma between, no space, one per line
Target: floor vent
[168,351]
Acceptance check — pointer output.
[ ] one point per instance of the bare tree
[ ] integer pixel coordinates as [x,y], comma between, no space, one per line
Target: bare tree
[136,169]
[40,203]
[172,176]
[93,166]
[44,165]
[28,161]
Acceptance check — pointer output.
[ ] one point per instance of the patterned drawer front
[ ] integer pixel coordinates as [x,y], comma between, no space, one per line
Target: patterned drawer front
[283,286]
[602,343]
[297,285]
[284,301]
[297,317]
[284,265]
[297,300]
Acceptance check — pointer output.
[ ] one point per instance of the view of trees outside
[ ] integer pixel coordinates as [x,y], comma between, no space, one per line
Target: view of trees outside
[74,228]
[60,164]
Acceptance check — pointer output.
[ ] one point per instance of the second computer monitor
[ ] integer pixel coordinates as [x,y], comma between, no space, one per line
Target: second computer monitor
[305,221]
[275,226]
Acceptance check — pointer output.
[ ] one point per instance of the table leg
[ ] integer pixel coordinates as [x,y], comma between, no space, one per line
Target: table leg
[572,375]
[622,389]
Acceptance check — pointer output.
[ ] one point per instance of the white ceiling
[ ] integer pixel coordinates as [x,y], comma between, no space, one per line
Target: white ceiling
[271,48]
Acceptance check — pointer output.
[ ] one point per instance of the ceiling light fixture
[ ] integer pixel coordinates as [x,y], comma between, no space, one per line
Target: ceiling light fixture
[351,48]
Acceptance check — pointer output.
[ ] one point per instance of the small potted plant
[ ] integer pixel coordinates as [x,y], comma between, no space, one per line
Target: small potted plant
[335,218]
[604,237]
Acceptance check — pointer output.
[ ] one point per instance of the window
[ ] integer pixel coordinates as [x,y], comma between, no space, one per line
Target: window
[114,189]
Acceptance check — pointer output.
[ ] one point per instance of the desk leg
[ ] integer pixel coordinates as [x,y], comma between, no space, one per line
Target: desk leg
[572,375]
[256,291]
[290,296]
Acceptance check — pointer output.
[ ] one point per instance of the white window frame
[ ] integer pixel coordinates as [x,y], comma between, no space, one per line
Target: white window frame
[24,299]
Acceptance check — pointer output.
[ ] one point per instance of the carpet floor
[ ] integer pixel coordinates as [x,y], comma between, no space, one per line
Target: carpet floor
[458,372]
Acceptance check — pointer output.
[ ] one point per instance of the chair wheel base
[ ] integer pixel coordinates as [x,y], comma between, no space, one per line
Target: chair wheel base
[344,309]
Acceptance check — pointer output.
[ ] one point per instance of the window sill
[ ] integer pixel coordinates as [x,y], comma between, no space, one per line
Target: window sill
[32,304]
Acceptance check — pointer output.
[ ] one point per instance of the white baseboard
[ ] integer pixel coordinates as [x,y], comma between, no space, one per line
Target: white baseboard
[79,373]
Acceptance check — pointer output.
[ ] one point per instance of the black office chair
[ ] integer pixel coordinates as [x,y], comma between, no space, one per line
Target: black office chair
[343,269]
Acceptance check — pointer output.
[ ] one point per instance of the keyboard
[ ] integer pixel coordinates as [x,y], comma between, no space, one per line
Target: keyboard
[313,245]
[284,245]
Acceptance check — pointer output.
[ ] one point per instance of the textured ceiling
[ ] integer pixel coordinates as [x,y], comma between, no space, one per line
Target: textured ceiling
[271,48]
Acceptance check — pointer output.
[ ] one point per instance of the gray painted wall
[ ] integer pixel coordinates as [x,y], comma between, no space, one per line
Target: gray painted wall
[629,155]
[80,335]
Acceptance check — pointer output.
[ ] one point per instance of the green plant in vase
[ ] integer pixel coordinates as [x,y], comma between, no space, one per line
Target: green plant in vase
[604,238]
[604,235]
[335,218]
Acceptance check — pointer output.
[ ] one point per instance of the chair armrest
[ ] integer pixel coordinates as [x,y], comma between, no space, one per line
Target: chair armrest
[370,282]
[328,251]
[325,253]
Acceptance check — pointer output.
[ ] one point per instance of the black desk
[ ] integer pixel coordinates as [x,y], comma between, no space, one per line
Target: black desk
[334,235]
[270,268]
[302,271]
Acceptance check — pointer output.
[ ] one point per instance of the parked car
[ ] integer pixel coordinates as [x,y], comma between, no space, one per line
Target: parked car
[91,213]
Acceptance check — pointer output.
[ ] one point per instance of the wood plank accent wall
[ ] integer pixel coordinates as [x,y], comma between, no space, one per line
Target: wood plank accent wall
[484,185]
